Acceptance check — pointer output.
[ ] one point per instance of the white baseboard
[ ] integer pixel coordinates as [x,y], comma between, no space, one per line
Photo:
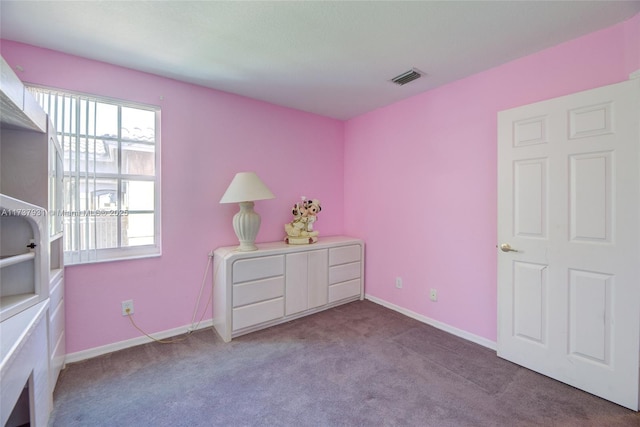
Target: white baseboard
[442,326]
[121,345]
[635,75]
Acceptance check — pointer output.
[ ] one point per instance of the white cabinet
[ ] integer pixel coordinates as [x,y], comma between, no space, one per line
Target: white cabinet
[31,253]
[306,280]
[280,282]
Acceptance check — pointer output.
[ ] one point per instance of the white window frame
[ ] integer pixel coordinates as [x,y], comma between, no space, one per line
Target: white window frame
[85,256]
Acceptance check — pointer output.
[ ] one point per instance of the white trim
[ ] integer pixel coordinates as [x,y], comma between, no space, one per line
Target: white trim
[121,345]
[436,324]
[113,254]
[635,75]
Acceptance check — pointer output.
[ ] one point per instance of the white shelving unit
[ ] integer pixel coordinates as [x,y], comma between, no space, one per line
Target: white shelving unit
[31,255]
[23,269]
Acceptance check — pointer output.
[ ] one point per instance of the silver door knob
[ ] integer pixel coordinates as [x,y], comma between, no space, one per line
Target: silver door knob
[505,247]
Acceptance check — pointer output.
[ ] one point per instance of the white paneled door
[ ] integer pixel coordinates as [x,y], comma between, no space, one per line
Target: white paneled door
[569,239]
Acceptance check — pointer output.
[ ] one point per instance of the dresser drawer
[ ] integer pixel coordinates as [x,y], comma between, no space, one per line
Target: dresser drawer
[344,254]
[260,290]
[344,290]
[254,314]
[245,270]
[344,272]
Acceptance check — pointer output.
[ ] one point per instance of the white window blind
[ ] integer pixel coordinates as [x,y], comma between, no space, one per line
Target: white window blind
[111,157]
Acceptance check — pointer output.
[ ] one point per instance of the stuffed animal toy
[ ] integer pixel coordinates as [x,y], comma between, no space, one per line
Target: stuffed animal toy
[296,228]
[300,230]
[313,208]
[299,210]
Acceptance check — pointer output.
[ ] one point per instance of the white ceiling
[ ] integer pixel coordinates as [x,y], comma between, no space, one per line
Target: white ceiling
[333,58]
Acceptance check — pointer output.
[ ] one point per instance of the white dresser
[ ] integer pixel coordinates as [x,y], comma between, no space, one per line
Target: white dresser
[280,282]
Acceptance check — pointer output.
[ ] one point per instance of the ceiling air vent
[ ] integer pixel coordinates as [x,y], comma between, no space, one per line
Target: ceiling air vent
[407,77]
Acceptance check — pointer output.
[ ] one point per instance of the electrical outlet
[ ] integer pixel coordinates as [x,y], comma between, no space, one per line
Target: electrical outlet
[433,295]
[399,282]
[127,307]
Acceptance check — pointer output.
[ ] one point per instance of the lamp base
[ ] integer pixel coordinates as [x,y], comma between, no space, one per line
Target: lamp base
[246,224]
[246,247]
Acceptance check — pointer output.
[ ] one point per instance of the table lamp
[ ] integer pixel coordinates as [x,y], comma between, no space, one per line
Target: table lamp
[246,188]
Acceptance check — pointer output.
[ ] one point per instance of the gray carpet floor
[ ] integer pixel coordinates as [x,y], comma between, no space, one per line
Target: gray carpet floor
[359,364]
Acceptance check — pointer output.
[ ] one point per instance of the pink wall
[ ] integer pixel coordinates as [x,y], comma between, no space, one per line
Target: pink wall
[419,182]
[207,136]
[420,176]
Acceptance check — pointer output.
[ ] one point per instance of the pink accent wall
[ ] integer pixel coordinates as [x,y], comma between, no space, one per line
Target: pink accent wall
[207,136]
[420,176]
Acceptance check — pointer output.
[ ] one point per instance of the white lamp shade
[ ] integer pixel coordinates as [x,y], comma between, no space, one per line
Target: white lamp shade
[245,187]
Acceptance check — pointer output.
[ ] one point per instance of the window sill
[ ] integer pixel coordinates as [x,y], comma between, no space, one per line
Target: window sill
[109,255]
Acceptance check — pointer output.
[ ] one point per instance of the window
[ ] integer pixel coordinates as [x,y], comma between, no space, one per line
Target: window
[111,152]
